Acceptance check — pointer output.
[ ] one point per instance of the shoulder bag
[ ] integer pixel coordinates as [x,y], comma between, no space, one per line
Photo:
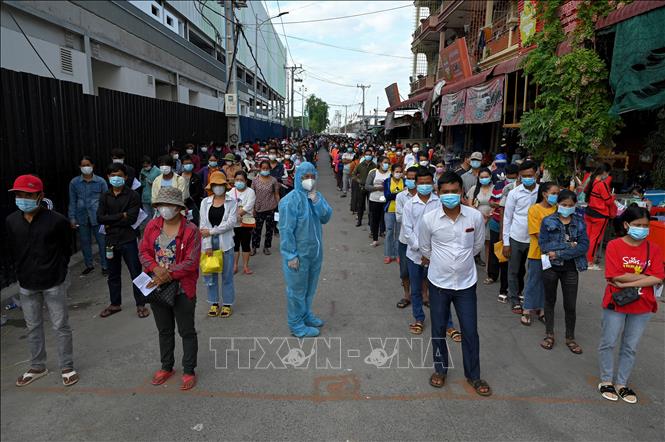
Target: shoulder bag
[629,294]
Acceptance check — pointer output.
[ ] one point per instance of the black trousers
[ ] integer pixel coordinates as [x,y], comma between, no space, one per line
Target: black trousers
[569,281]
[375,217]
[182,314]
[129,252]
[267,217]
[495,269]
[243,238]
[361,204]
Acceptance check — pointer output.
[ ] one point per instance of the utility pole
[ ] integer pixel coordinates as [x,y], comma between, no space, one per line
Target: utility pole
[303,90]
[257,25]
[346,114]
[293,71]
[376,113]
[232,124]
[363,87]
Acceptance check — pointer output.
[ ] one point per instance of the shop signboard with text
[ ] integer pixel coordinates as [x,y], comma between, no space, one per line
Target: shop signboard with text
[484,103]
[454,63]
[452,108]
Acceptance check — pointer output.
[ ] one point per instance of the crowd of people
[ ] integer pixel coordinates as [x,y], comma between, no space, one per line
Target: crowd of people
[442,220]
[439,220]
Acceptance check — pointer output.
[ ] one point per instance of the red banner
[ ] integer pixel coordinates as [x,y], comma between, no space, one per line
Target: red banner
[454,62]
[484,103]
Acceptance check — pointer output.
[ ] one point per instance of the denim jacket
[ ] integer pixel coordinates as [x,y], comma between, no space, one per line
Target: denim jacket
[552,239]
[84,199]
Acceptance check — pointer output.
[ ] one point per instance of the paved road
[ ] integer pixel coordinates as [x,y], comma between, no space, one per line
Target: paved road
[538,395]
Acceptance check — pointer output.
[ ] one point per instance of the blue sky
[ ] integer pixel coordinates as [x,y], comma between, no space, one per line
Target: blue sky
[385,32]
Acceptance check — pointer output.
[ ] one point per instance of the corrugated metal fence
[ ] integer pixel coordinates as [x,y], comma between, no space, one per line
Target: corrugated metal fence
[46,125]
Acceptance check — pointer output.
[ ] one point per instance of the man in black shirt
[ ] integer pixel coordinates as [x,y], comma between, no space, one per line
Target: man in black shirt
[118,210]
[118,157]
[39,243]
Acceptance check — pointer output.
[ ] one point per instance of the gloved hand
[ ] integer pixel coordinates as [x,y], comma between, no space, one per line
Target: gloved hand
[294,264]
[313,195]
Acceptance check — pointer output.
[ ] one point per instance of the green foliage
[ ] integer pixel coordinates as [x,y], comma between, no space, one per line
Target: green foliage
[318,114]
[571,117]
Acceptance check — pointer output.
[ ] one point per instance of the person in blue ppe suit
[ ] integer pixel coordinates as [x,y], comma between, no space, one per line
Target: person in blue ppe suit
[301,214]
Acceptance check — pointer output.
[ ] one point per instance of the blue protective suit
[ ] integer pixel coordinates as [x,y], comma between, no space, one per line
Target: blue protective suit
[300,236]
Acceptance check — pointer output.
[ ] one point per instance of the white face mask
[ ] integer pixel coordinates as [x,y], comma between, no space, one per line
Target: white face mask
[308,184]
[167,212]
[165,169]
[118,161]
[272,157]
[204,149]
[189,151]
[218,190]
[86,170]
[424,163]
[176,156]
[397,175]
[415,150]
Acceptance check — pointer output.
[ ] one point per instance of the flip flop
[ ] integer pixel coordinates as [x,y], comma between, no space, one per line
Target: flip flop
[109,311]
[29,377]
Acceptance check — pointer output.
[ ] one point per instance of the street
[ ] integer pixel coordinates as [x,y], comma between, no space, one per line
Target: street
[537,395]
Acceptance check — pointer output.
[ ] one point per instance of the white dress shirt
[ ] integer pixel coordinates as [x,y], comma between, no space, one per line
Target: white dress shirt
[516,214]
[400,200]
[414,210]
[409,160]
[451,245]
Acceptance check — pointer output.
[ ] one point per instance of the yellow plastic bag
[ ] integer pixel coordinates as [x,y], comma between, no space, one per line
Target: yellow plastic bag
[498,251]
[212,264]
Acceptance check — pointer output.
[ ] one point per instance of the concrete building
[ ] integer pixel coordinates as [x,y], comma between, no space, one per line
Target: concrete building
[168,50]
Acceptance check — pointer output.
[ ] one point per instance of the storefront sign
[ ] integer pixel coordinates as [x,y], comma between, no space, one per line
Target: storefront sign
[484,103]
[452,108]
[454,61]
[527,21]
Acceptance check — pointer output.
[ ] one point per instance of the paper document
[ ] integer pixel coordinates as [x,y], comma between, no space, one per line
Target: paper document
[102,230]
[142,216]
[546,262]
[136,184]
[142,281]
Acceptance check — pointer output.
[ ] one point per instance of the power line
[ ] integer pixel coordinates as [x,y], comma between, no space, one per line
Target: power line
[346,16]
[286,39]
[344,48]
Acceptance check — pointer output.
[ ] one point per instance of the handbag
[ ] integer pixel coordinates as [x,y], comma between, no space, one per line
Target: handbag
[164,294]
[248,221]
[213,263]
[629,294]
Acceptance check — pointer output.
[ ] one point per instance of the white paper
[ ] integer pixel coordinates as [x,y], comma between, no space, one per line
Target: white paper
[102,230]
[546,262]
[142,281]
[136,184]
[142,216]
[658,290]
[276,217]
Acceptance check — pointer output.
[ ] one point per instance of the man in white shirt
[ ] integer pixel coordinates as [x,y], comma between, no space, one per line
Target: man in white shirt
[516,229]
[400,201]
[410,156]
[423,202]
[449,238]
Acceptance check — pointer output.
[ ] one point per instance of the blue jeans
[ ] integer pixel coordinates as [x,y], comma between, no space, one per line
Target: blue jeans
[85,237]
[534,291]
[417,275]
[467,314]
[228,290]
[392,233]
[633,326]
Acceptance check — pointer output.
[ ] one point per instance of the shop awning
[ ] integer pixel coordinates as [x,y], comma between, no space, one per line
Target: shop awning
[629,11]
[411,103]
[511,65]
[474,80]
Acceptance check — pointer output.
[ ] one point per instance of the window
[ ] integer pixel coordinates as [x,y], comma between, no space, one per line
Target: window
[240,73]
[169,21]
[155,10]
[249,78]
[520,97]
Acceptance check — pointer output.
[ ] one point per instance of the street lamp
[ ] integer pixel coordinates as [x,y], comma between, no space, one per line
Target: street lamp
[256,46]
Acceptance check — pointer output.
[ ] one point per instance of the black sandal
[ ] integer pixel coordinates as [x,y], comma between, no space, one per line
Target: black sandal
[607,390]
[574,347]
[481,387]
[548,343]
[403,303]
[437,380]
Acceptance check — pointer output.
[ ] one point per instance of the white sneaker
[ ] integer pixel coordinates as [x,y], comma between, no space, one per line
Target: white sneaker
[503,299]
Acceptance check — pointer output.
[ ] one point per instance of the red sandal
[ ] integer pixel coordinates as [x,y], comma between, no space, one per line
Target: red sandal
[188,381]
[161,376]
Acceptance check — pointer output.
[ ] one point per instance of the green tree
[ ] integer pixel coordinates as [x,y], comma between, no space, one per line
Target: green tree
[317,109]
[571,118]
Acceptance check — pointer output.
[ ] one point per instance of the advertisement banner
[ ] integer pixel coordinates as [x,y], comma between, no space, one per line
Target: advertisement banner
[454,62]
[452,108]
[392,93]
[484,103]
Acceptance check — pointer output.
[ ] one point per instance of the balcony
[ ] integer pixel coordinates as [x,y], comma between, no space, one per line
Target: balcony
[422,84]
[426,32]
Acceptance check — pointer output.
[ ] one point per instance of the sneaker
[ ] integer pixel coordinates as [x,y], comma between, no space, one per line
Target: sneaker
[503,298]
[87,271]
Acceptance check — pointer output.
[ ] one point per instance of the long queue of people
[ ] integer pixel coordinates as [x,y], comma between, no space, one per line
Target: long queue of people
[441,222]
[161,221]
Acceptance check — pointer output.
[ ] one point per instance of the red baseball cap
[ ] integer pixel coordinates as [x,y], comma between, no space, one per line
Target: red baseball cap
[27,183]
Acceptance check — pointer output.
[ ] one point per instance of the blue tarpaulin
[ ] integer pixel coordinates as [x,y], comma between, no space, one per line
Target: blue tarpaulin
[251,129]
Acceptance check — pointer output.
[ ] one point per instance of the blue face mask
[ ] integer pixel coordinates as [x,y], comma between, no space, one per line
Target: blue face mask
[425,189]
[26,205]
[212,163]
[241,185]
[265,172]
[450,200]
[117,181]
[368,157]
[410,184]
[188,167]
[510,180]
[638,233]
[528,181]
[385,166]
[552,199]
[475,164]
[565,211]
[485,181]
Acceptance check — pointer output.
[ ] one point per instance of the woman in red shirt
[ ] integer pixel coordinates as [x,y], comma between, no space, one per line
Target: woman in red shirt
[599,211]
[631,261]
